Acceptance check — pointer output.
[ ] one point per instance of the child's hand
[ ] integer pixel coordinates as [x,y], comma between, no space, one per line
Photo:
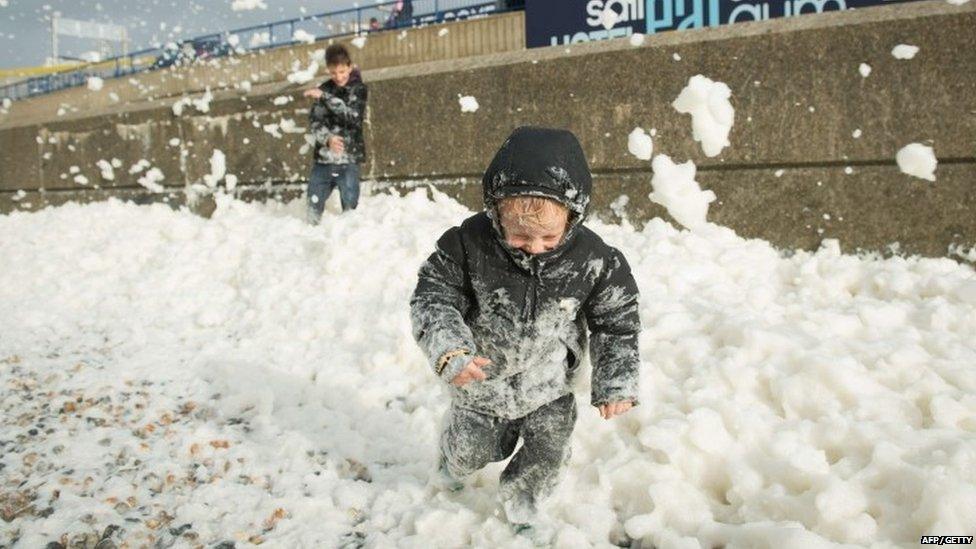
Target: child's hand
[607,411]
[471,372]
[337,145]
[314,93]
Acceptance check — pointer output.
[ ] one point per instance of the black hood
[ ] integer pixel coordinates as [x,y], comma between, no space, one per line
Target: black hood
[541,162]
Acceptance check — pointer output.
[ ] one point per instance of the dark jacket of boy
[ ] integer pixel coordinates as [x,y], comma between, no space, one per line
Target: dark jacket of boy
[529,314]
[340,112]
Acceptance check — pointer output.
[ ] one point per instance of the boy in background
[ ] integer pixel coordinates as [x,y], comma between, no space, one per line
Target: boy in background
[336,121]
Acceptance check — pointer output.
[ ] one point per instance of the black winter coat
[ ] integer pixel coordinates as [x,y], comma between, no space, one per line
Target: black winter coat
[340,112]
[529,314]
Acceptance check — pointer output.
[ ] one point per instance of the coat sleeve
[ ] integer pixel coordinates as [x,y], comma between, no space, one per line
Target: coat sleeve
[317,123]
[613,317]
[350,115]
[439,304]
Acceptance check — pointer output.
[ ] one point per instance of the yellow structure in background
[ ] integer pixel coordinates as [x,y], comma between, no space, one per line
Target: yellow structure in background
[26,72]
[20,72]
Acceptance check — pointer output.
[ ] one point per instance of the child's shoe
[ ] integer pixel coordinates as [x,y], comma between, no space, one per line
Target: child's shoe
[444,481]
[540,533]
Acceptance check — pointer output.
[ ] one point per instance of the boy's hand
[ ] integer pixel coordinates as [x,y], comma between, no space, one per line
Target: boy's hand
[337,145]
[607,411]
[471,372]
[314,93]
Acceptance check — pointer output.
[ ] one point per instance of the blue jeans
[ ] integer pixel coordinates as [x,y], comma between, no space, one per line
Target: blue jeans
[325,178]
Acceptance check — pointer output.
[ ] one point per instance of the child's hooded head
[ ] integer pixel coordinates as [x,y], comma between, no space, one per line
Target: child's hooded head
[537,188]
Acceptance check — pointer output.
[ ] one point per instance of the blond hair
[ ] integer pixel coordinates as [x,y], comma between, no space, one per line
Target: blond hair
[533,212]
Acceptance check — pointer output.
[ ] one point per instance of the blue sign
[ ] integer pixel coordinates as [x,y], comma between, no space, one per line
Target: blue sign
[554,22]
[557,22]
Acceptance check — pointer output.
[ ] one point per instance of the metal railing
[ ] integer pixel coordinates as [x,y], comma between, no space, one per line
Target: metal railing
[322,26]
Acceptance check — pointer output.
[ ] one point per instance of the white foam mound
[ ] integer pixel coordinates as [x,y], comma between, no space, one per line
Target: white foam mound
[106,169]
[675,188]
[247,5]
[303,37]
[218,168]
[609,17]
[712,114]
[259,39]
[244,374]
[468,103]
[640,144]
[917,160]
[303,76]
[152,180]
[904,51]
[202,104]
[95,83]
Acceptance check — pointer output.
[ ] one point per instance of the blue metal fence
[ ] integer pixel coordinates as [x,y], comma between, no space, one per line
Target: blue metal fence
[373,18]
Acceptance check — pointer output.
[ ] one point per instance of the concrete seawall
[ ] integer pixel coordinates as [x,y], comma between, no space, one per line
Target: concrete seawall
[793,175]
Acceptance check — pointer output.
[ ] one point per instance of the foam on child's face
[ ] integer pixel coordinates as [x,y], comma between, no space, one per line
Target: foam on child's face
[535,238]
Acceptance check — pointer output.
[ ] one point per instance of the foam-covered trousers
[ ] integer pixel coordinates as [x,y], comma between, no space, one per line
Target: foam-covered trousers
[470,440]
[326,177]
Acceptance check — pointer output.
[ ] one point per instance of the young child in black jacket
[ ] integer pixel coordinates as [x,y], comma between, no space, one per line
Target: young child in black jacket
[502,309]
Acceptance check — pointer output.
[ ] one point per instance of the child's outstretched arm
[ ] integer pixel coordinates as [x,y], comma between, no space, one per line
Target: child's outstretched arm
[614,321]
[438,306]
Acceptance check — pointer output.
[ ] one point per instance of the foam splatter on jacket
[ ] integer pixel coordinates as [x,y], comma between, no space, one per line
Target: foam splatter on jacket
[340,112]
[529,314]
